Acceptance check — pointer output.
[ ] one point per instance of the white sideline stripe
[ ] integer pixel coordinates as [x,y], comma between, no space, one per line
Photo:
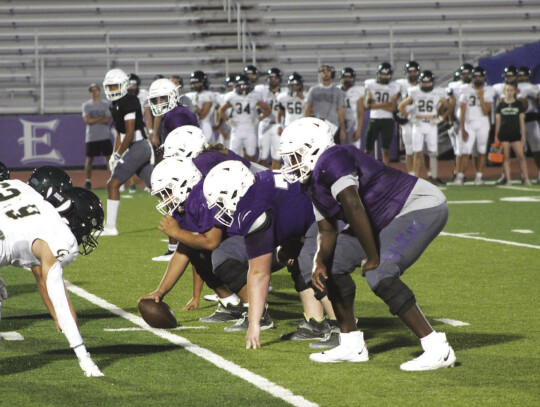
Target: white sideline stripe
[471,202]
[12,336]
[142,329]
[256,380]
[466,236]
[453,322]
[526,231]
[517,188]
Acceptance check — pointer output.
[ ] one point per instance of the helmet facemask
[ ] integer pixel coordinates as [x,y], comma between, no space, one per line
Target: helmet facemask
[295,168]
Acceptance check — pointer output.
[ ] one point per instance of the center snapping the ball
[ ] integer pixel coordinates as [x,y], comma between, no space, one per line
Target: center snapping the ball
[157,314]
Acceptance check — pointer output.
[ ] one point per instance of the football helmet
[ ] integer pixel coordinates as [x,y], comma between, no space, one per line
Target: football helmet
[252,73]
[184,141]
[134,84]
[162,96]
[85,218]
[426,80]
[295,79]
[274,73]
[4,172]
[198,77]
[384,69]
[229,83]
[465,72]
[241,85]
[329,68]
[457,75]
[172,181]
[479,76]
[301,144]
[509,74]
[47,179]
[347,75]
[115,84]
[524,74]
[224,186]
[412,69]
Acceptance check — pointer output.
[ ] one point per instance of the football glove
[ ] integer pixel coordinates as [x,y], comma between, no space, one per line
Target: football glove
[114,160]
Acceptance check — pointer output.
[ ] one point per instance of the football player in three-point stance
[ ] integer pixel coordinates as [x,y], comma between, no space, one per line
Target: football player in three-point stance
[244,118]
[33,235]
[381,100]
[427,102]
[132,152]
[393,228]
[354,106]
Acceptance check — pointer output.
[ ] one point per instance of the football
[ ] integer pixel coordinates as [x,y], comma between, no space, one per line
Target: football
[157,314]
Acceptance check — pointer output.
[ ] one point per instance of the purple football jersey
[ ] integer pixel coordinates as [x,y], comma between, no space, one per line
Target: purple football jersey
[177,117]
[209,159]
[383,190]
[290,211]
[196,218]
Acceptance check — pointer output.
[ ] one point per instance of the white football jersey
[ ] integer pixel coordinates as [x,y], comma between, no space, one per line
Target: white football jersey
[292,105]
[404,86]
[244,108]
[531,92]
[270,98]
[199,99]
[381,94]
[426,103]
[468,95]
[24,217]
[143,99]
[351,99]
[498,88]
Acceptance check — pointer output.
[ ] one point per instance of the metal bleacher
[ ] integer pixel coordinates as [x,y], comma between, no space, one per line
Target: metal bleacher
[51,51]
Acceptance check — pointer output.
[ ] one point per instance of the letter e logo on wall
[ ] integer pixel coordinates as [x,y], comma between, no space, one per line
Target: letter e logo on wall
[31,139]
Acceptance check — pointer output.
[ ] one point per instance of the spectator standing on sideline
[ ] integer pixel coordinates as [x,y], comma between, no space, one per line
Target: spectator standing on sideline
[97,116]
[326,101]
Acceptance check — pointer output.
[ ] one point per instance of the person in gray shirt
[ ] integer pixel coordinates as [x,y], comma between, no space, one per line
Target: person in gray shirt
[97,116]
[326,101]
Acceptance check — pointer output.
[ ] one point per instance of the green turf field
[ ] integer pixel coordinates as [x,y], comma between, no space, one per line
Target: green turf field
[469,275]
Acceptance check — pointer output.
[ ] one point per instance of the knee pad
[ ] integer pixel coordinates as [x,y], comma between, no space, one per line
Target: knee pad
[234,273]
[341,288]
[395,294]
[299,282]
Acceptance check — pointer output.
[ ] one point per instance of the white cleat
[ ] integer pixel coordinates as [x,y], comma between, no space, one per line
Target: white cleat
[341,353]
[164,257]
[478,182]
[458,182]
[211,297]
[88,366]
[109,231]
[431,360]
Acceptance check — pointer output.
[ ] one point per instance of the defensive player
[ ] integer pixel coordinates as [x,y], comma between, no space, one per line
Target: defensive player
[292,103]
[394,216]
[475,104]
[244,117]
[268,128]
[132,152]
[35,236]
[427,102]
[354,106]
[203,100]
[381,100]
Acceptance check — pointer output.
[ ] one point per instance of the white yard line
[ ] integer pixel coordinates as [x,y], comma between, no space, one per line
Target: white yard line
[11,336]
[471,202]
[143,329]
[453,322]
[529,189]
[256,380]
[485,239]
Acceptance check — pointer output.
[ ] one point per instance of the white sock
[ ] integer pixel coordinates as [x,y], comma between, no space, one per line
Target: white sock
[461,175]
[433,340]
[80,351]
[434,164]
[478,175]
[231,299]
[112,212]
[429,174]
[411,172]
[172,247]
[352,339]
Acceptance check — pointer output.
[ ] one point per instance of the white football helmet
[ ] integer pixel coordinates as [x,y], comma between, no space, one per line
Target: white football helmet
[224,186]
[184,141]
[115,84]
[301,144]
[172,180]
[162,96]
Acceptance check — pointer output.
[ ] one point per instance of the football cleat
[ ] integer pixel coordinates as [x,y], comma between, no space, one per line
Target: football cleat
[243,324]
[342,353]
[109,230]
[309,330]
[431,360]
[328,343]
[226,313]
[167,256]
[211,297]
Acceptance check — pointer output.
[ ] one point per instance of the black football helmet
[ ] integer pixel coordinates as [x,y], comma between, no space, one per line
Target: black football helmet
[384,69]
[4,172]
[274,73]
[457,75]
[509,74]
[295,79]
[85,219]
[412,66]
[198,77]
[426,80]
[134,84]
[46,180]
[229,82]
[524,74]
[242,85]
[348,74]
[253,71]
[465,72]
[478,76]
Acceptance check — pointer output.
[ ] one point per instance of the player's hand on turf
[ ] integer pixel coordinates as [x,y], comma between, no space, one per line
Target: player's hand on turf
[369,264]
[156,296]
[192,304]
[319,276]
[252,336]
[88,366]
[169,226]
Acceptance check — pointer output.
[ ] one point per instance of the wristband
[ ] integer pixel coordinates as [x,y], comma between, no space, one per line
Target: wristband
[151,131]
[117,156]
